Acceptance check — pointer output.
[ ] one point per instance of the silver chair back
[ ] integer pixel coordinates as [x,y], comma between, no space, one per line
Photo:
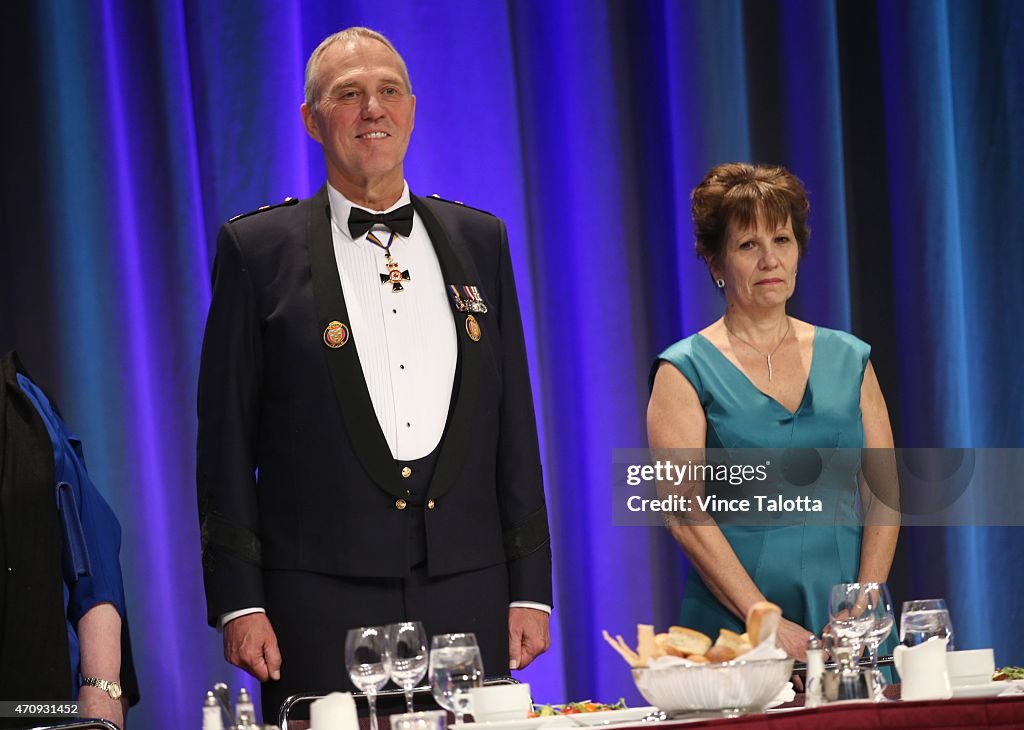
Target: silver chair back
[80,724]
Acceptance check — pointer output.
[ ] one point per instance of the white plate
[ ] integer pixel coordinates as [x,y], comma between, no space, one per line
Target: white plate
[532,723]
[611,717]
[607,717]
[989,689]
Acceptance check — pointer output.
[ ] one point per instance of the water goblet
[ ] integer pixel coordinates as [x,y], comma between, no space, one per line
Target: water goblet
[368,661]
[407,645]
[923,619]
[846,610]
[455,668]
[878,605]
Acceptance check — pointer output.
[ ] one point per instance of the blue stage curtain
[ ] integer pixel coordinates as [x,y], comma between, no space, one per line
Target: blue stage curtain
[134,129]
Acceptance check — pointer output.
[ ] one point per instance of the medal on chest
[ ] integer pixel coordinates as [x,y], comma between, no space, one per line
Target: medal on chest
[395,275]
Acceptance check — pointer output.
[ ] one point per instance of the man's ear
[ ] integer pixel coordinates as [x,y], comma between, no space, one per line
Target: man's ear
[309,122]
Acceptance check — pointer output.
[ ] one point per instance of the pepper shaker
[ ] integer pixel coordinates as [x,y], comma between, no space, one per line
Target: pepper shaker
[245,713]
[212,717]
[815,671]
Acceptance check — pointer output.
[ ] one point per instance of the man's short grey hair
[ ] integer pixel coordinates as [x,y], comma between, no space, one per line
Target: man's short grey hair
[349,35]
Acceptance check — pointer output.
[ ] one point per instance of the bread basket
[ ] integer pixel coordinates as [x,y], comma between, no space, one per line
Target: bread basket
[727,688]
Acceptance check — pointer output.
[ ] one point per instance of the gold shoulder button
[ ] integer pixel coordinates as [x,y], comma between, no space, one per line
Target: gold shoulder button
[287,201]
[435,196]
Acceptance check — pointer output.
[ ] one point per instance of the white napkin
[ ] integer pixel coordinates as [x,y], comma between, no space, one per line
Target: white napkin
[336,711]
[1015,688]
[786,694]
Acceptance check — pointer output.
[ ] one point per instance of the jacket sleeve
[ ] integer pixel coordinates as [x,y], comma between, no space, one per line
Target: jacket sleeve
[519,479]
[230,376]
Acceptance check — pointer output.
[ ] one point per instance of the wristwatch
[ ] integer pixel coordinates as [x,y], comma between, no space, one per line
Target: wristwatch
[111,688]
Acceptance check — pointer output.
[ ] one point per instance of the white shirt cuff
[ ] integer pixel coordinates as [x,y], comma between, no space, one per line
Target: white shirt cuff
[530,604]
[232,615]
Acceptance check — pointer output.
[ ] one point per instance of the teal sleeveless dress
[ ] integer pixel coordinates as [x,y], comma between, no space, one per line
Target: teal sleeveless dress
[795,564]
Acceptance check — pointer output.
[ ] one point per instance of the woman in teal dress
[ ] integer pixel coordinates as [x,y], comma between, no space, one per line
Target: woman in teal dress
[758,378]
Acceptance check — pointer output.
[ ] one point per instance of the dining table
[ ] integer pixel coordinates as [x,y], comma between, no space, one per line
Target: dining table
[952,714]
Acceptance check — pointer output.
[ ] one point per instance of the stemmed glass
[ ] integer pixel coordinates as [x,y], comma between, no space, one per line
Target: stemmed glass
[455,668]
[862,612]
[847,616]
[921,620]
[368,662]
[879,607]
[407,645]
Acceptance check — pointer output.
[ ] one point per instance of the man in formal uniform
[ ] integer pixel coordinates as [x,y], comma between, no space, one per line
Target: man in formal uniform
[367,444]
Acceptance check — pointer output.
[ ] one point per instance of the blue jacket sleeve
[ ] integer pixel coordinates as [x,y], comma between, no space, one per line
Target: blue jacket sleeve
[92,534]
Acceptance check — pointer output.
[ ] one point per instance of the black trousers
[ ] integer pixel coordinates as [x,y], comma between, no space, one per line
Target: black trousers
[311,614]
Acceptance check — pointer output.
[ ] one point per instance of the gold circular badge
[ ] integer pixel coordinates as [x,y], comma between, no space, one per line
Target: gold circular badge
[473,328]
[336,335]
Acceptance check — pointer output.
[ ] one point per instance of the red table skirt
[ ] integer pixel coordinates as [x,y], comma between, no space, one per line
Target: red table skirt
[999,712]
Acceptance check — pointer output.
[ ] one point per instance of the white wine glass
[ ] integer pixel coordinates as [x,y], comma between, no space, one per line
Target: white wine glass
[923,619]
[455,668]
[368,662]
[407,645]
[848,614]
[878,605]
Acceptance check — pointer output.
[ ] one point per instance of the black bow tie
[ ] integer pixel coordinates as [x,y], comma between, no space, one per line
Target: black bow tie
[399,220]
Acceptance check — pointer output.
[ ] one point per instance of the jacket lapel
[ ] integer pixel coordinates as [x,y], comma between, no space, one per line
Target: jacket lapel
[343,364]
[460,427]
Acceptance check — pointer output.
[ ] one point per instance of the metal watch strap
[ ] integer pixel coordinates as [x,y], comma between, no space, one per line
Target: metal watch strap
[113,689]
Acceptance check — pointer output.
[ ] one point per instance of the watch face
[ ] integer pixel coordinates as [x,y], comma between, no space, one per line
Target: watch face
[113,689]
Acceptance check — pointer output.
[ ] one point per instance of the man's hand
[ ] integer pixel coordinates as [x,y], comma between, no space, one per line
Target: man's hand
[94,702]
[528,636]
[251,644]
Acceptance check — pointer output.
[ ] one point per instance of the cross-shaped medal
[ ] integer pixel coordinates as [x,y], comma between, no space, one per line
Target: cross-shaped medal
[394,276]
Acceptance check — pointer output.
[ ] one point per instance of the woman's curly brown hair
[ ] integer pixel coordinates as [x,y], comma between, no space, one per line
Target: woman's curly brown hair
[743,193]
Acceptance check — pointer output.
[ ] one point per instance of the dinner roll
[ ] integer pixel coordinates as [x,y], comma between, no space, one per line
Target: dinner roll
[665,646]
[688,641]
[762,621]
[731,640]
[721,654]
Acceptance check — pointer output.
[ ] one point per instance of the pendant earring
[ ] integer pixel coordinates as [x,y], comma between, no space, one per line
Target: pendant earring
[720,283]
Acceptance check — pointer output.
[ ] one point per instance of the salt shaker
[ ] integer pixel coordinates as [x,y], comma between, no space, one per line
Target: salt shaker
[212,717]
[815,671]
[245,713]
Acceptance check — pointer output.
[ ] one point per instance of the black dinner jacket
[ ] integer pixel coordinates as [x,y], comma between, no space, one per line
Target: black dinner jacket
[293,470]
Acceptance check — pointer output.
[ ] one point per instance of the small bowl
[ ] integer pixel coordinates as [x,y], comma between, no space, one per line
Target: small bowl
[501,702]
[729,688]
[973,666]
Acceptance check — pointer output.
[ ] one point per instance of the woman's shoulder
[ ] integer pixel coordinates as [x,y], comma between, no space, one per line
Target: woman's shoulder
[841,338]
[842,343]
[685,355]
[684,349]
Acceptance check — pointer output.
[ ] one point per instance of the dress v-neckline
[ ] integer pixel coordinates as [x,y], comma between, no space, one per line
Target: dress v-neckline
[773,399]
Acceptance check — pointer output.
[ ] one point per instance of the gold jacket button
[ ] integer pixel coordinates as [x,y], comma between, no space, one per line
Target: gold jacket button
[400,504]
[431,504]
[406,472]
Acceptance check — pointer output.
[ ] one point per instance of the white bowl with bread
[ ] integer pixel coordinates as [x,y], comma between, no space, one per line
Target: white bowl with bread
[682,670]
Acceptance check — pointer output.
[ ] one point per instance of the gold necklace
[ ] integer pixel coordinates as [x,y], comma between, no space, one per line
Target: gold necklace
[766,355]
